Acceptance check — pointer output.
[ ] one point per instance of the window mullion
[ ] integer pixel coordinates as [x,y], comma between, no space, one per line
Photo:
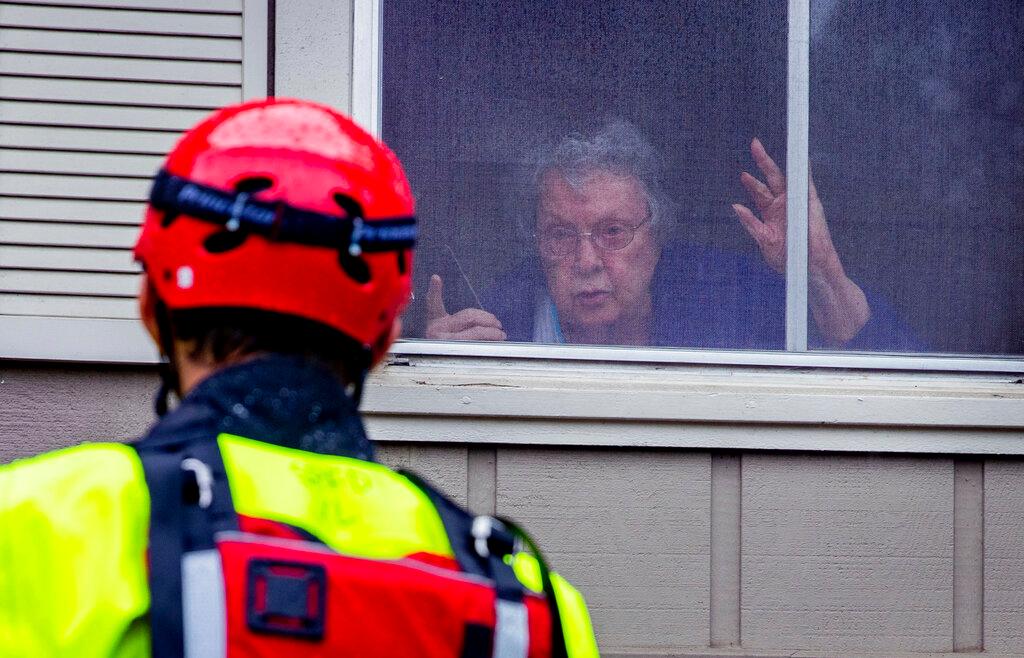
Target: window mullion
[367,51]
[797,132]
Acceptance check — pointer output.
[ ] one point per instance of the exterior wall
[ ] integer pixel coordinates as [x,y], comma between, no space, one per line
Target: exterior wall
[685,535]
[677,549]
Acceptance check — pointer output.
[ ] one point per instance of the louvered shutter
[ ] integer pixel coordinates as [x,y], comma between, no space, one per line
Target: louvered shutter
[92,94]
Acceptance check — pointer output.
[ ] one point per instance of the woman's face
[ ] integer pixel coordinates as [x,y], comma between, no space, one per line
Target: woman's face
[598,292]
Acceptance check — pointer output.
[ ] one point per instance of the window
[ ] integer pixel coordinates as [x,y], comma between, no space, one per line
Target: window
[912,131]
[917,142]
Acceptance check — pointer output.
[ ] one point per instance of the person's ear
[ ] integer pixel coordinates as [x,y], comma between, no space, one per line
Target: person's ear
[386,340]
[147,310]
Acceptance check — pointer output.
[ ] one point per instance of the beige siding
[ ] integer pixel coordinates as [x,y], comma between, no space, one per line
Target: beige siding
[850,553]
[629,528]
[443,466]
[48,407]
[1004,556]
[132,21]
[212,6]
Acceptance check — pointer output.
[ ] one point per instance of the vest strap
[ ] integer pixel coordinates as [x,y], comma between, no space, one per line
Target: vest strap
[188,505]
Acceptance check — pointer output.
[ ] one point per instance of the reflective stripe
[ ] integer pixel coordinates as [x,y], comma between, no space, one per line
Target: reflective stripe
[202,600]
[511,630]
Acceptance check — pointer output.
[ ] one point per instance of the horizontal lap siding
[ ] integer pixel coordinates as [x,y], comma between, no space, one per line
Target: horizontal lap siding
[92,94]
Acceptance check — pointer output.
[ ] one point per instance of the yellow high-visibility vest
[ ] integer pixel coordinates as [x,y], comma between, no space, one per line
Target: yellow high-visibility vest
[74,530]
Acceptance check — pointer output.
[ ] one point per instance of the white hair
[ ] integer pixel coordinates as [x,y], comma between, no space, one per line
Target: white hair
[617,147]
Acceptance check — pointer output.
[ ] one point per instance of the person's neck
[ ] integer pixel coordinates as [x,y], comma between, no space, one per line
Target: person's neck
[191,371]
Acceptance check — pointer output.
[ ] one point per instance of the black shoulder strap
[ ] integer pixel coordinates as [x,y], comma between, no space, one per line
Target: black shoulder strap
[458,524]
[190,501]
[558,647]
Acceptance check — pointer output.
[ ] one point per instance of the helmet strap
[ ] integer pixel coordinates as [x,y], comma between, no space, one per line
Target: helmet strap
[358,376]
[170,381]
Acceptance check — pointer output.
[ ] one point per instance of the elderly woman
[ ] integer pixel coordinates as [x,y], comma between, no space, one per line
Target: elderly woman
[604,272]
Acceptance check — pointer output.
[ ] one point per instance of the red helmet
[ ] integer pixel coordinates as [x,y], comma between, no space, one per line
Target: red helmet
[286,206]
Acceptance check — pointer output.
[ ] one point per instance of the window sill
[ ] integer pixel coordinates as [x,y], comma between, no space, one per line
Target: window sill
[754,401]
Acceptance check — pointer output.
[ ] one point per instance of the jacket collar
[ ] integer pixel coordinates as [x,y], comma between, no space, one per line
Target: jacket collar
[285,400]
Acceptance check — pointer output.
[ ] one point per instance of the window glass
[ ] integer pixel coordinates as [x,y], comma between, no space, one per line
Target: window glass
[579,167]
[475,95]
[917,151]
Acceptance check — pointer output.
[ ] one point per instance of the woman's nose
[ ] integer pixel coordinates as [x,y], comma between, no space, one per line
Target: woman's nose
[588,257]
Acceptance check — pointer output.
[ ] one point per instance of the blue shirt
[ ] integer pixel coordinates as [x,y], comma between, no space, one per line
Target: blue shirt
[704,297]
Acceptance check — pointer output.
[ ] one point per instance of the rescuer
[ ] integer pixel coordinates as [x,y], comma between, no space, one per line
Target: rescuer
[251,520]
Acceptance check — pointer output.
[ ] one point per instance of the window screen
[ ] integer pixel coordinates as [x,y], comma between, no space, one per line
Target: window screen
[917,148]
[579,167]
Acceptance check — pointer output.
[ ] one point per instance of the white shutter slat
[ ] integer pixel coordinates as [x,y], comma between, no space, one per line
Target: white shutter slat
[120,20]
[72,210]
[120,68]
[67,306]
[211,6]
[67,235]
[87,139]
[69,162]
[69,283]
[79,339]
[72,187]
[89,116]
[206,97]
[67,258]
[131,45]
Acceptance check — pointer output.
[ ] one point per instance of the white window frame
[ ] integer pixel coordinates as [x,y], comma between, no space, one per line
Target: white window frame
[794,400]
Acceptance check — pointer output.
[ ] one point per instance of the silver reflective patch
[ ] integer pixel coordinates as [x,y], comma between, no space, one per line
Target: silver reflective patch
[511,631]
[202,603]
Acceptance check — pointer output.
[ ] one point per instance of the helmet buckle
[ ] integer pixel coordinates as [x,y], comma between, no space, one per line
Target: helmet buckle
[237,211]
[355,249]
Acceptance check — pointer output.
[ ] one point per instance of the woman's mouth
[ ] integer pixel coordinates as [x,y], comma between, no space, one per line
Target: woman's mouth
[591,298]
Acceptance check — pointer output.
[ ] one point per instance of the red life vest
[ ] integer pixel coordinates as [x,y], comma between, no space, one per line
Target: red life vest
[228,585]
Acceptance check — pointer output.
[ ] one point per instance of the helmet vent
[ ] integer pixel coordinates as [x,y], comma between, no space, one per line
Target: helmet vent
[254,184]
[168,218]
[402,266]
[349,205]
[225,240]
[354,266]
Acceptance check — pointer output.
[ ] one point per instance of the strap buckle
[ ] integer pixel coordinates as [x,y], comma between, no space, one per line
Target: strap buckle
[490,536]
[286,598]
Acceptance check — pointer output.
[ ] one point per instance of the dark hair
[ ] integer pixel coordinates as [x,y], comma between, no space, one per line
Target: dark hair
[221,335]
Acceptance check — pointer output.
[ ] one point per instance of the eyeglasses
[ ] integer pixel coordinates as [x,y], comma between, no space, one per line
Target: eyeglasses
[559,241]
